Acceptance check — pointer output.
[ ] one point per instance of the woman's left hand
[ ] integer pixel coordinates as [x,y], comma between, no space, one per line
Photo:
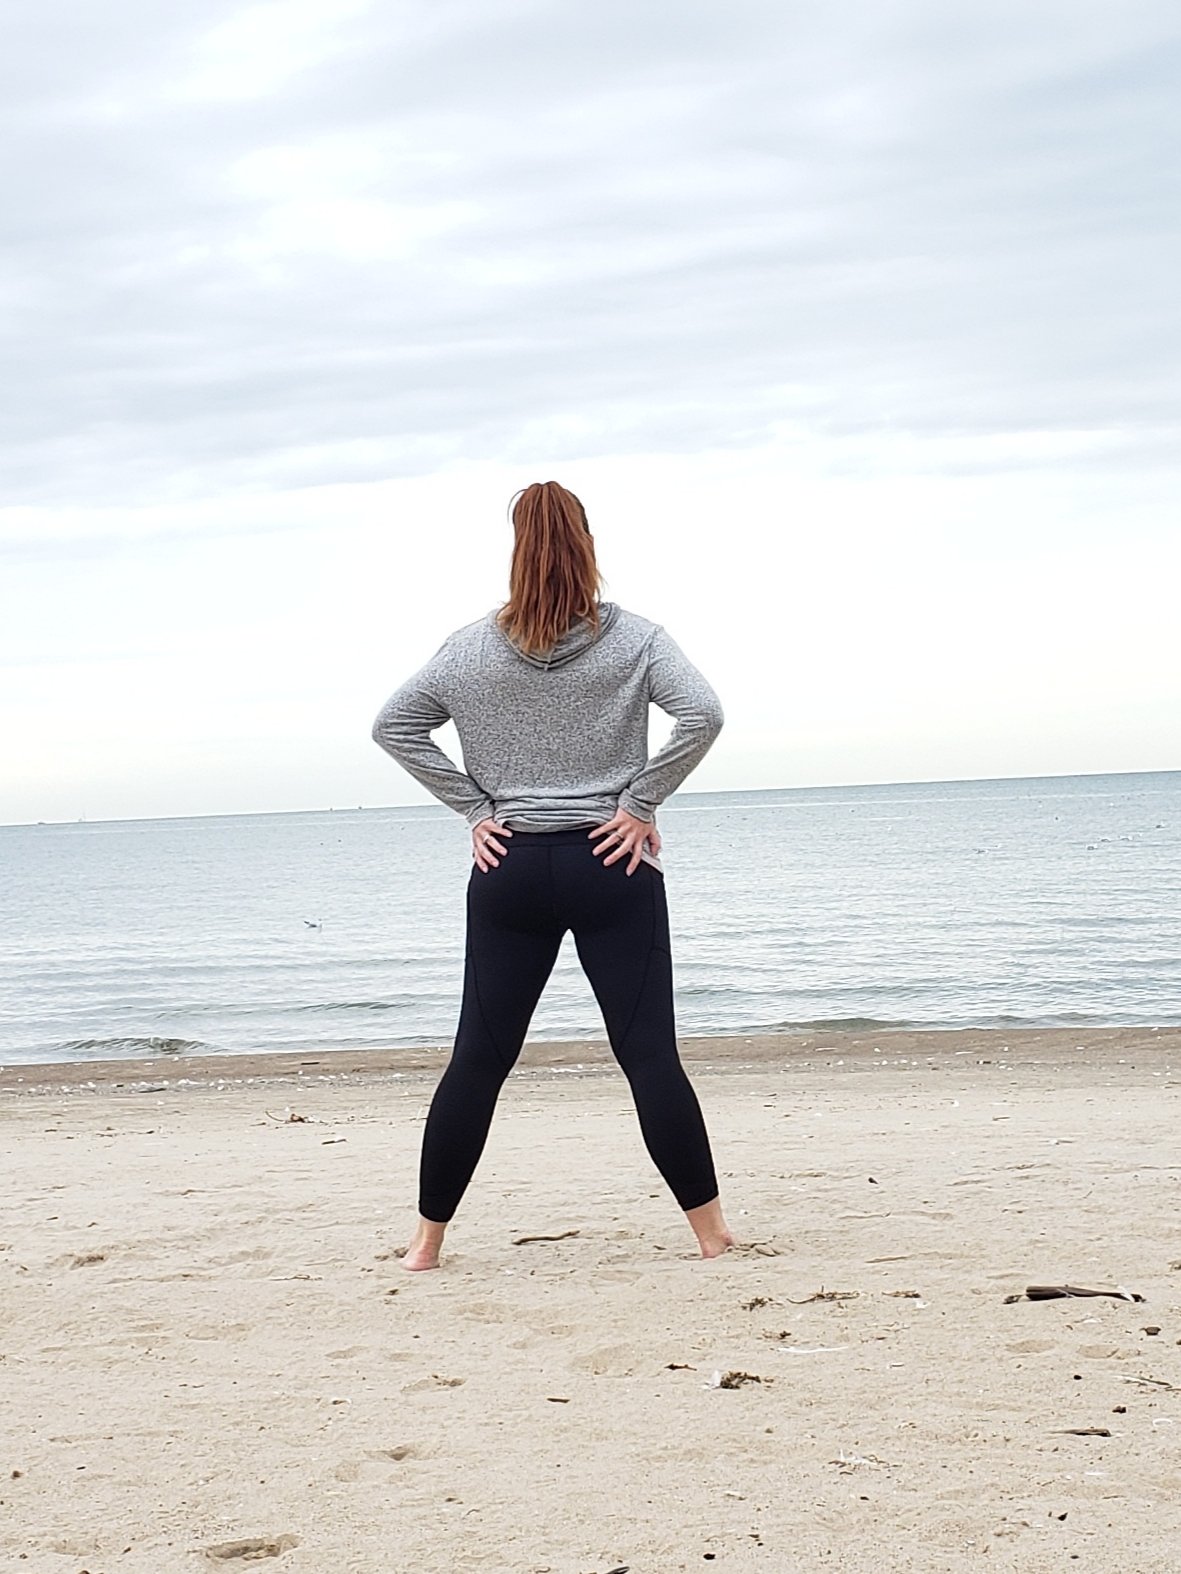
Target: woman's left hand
[626,836]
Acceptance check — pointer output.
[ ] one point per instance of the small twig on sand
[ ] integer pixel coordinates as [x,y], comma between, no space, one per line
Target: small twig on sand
[826,1295]
[1151,1382]
[528,1240]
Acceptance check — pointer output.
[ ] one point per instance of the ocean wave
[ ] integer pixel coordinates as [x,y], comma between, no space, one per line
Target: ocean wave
[956,1020]
[836,1025]
[115,1048]
[359,1005]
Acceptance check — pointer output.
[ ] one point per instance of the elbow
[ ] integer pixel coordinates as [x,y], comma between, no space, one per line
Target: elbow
[384,731]
[700,726]
[712,719]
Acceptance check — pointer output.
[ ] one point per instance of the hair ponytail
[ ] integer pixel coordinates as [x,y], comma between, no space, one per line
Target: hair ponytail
[553,579]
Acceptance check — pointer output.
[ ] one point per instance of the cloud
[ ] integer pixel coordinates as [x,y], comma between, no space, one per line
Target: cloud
[299,244]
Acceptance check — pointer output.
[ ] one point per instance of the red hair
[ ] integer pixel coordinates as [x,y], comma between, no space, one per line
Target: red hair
[554,579]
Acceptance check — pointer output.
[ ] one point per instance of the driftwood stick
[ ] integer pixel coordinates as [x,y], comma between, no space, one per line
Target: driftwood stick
[1054,1292]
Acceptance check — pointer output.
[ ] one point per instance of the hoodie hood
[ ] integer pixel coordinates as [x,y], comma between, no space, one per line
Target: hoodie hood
[571,645]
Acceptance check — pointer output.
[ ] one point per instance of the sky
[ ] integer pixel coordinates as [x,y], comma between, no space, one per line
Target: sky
[855,327]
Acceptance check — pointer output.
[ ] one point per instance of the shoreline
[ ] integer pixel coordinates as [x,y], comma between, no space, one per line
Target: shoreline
[1061,1047]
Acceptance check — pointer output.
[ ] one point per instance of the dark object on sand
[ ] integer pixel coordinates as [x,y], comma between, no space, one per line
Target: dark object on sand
[1056,1292]
[528,1240]
[1086,1431]
[736,1379]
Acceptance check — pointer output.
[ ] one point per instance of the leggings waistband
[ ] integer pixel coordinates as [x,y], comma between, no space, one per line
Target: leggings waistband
[574,836]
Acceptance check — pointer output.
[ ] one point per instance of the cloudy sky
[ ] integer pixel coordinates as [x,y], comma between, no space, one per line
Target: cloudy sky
[855,326]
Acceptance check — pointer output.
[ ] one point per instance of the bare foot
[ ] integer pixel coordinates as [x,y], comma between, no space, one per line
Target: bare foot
[423,1251]
[716,1244]
[710,1228]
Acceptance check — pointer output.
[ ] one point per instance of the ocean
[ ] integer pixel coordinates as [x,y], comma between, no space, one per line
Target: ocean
[1031,902]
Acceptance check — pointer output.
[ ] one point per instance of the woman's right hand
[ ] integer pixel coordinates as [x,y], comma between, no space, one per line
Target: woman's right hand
[625,836]
[485,844]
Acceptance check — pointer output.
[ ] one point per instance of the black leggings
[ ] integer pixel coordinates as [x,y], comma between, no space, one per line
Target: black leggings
[547,883]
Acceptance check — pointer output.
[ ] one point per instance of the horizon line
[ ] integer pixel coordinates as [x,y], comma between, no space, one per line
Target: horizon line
[941,781]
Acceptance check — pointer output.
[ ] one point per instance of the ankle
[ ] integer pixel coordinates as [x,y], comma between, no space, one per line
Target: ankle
[423,1251]
[709,1226]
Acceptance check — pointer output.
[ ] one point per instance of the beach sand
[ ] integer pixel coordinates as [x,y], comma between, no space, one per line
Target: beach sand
[206,1340]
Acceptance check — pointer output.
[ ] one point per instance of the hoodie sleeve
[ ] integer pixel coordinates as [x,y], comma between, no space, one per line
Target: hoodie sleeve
[403,728]
[676,686]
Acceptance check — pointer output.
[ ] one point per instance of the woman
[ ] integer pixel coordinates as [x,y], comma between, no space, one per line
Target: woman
[550,697]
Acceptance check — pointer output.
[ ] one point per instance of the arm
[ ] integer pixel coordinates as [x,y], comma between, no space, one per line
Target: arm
[403,728]
[674,684]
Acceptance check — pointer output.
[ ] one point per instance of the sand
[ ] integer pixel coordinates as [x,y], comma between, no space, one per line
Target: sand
[206,1341]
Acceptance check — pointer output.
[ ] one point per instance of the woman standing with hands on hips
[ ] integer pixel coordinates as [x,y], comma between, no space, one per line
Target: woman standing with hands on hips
[550,697]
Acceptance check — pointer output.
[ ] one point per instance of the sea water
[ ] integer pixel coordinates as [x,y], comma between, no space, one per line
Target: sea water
[1042,901]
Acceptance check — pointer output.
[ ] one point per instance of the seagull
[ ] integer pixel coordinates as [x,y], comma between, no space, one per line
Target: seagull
[319,923]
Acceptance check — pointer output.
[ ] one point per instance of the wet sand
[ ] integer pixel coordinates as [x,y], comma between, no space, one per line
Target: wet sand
[206,1341]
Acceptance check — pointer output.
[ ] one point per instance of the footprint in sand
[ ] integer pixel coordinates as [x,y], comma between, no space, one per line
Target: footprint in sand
[488,1312]
[246,1254]
[251,1548]
[218,1333]
[604,1271]
[377,1464]
[609,1360]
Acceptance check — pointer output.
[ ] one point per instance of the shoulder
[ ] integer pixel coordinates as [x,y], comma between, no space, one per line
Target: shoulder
[635,630]
[460,653]
[472,637]
[473,633]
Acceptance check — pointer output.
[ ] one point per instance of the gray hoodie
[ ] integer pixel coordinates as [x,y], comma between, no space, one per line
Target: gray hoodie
[557,741]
